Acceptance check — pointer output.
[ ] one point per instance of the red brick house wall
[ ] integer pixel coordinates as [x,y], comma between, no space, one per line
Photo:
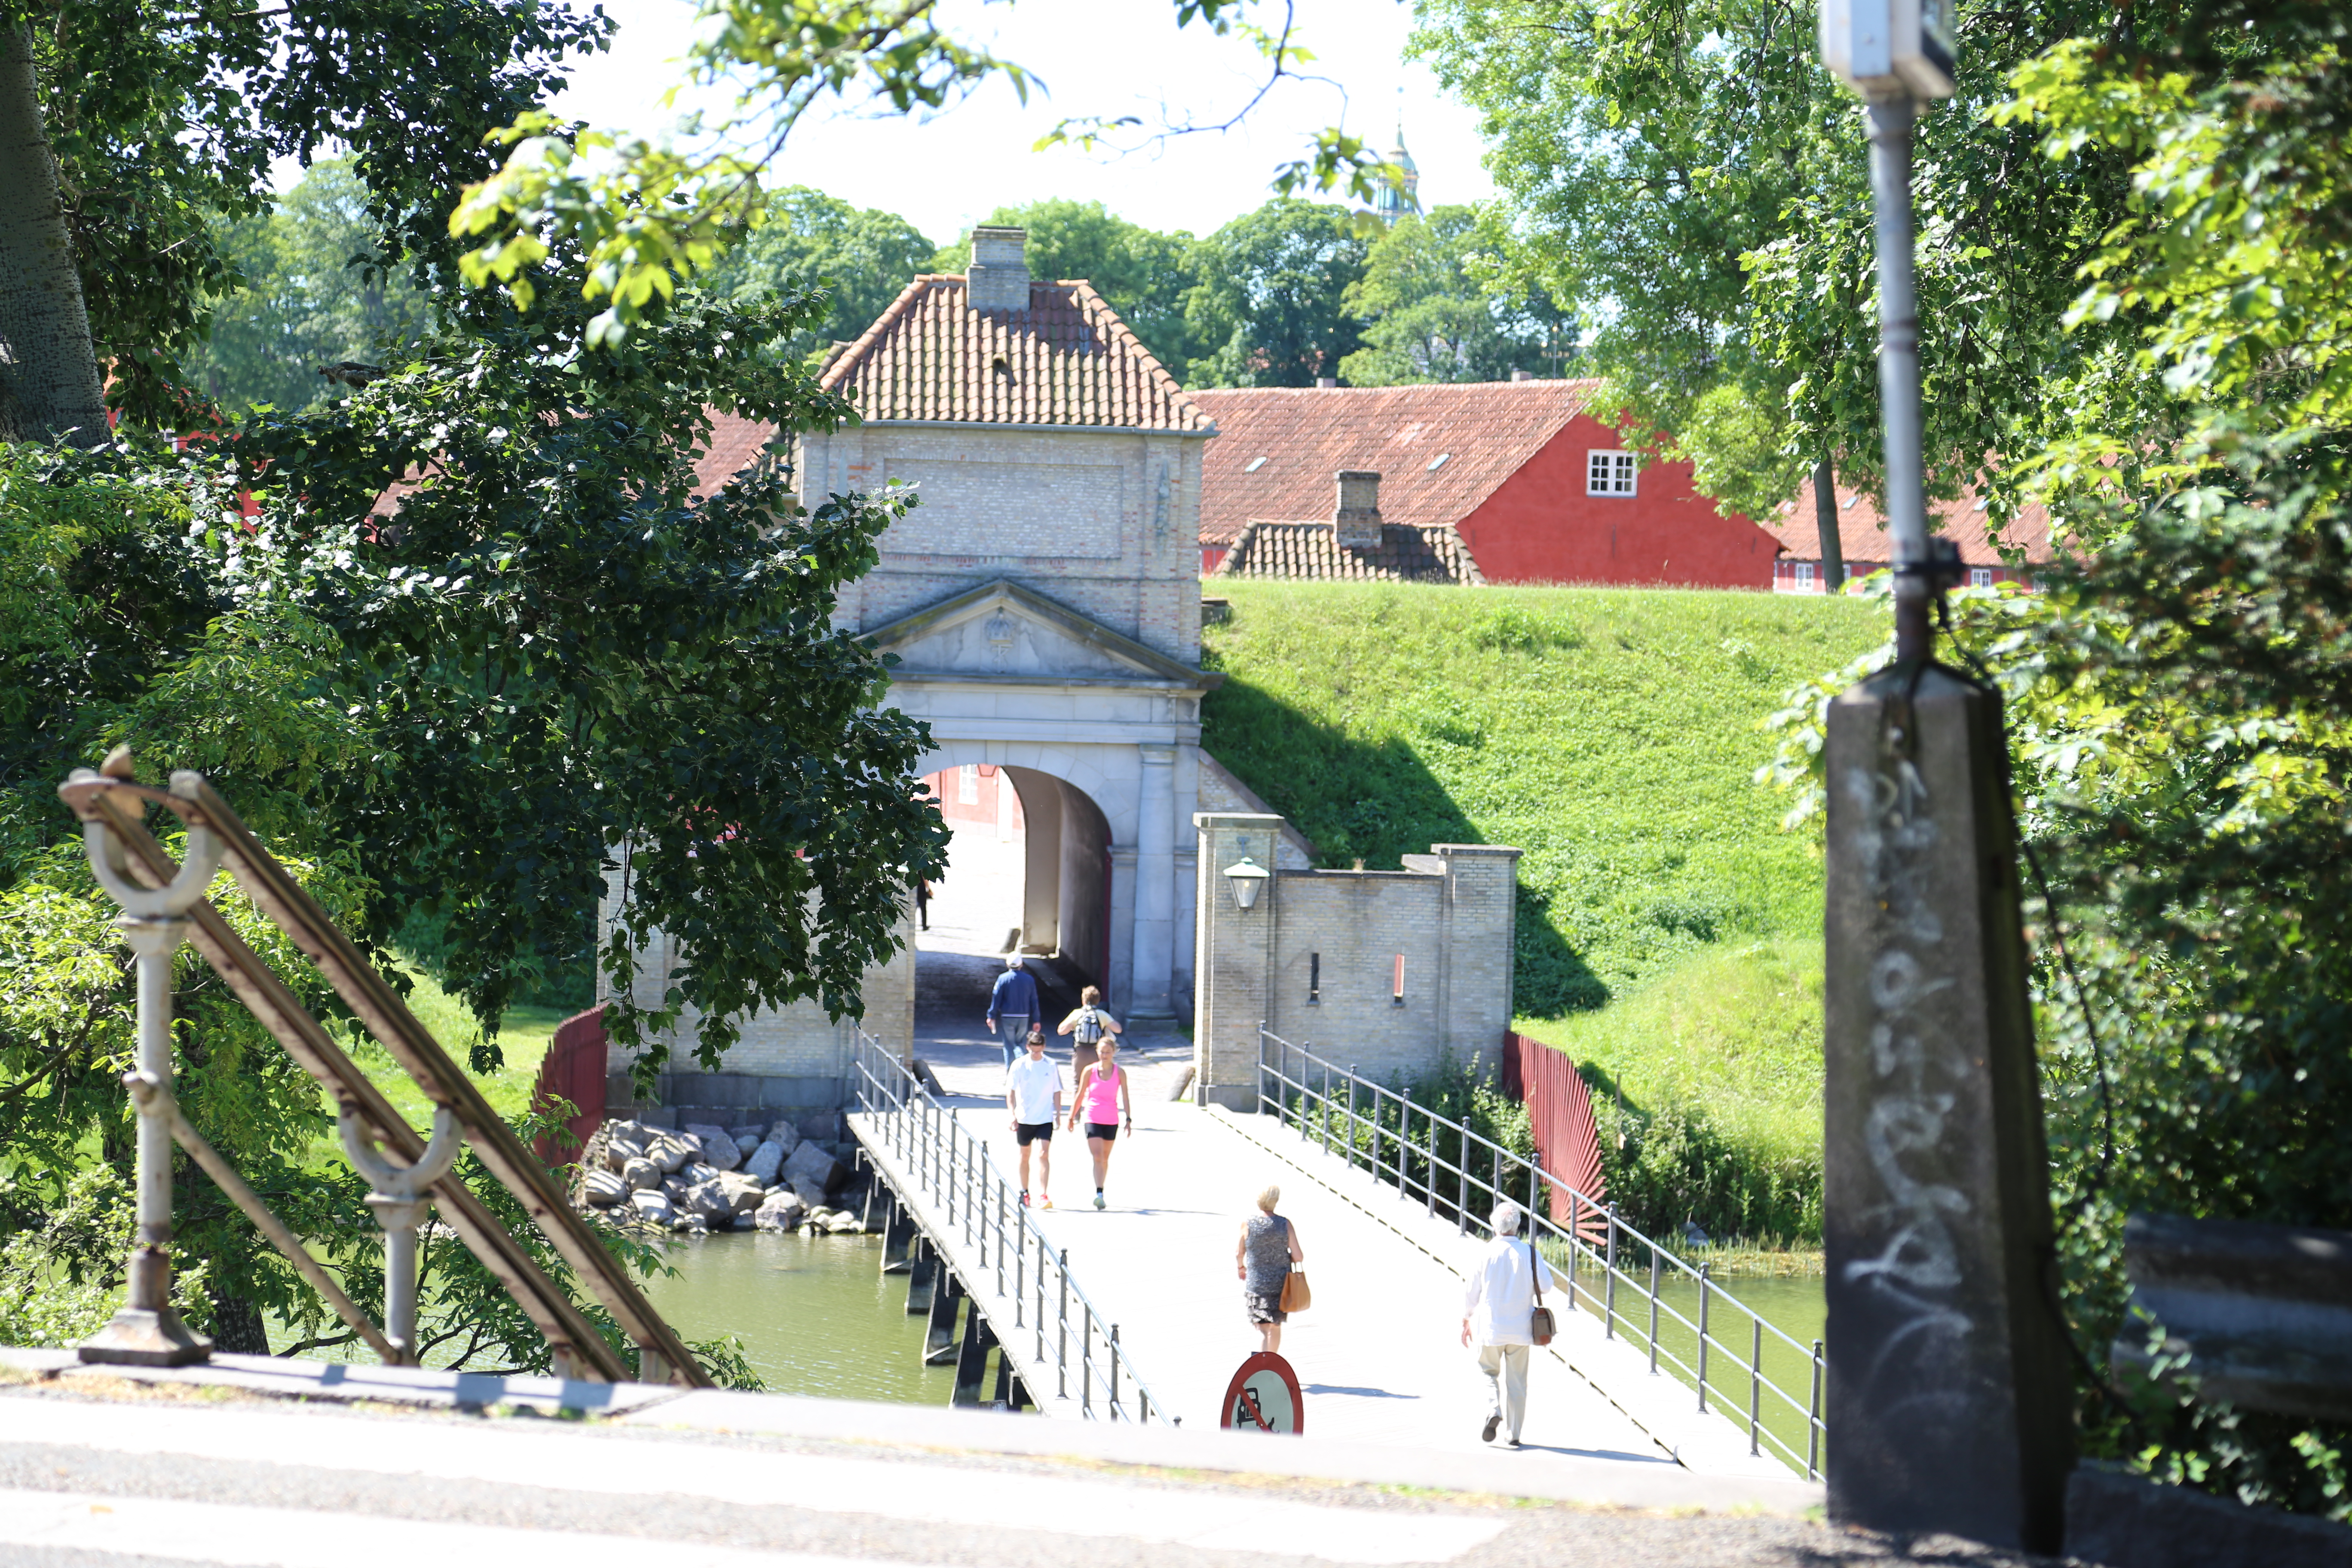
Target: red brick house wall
[1503,464]
[1540,525]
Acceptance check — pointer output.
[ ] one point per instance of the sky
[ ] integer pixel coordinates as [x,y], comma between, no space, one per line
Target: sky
[1095,57]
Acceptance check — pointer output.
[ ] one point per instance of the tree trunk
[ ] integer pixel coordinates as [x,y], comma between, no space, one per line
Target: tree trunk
[48,371]
[237,1327]
[1825,513]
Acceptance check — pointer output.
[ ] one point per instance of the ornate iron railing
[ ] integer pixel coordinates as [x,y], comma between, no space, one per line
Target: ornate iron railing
[1375,1127]
[163,904]
[971,1197]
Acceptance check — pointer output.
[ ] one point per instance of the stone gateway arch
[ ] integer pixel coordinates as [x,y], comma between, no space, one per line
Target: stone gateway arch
[1043,602]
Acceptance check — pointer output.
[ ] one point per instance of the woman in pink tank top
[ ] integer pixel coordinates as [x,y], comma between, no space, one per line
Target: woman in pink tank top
[1102,1090]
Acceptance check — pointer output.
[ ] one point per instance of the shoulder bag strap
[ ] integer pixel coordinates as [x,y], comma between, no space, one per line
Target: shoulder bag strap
[1534,1271]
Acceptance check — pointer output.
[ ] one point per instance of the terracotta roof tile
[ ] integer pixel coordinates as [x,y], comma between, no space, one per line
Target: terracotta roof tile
[735,444]
[1066,360]
[1862,532]
[1484,430]
[1296,551]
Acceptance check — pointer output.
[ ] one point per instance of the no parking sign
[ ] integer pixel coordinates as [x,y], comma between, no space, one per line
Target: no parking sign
[1264,1397]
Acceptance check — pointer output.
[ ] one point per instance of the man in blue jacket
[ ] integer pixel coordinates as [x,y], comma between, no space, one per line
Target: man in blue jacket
[1011,1006]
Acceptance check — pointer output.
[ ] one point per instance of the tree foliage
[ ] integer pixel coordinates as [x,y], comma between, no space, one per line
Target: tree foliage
[167,116]
[1269,310]
[550,651]
[315,292]
[862,257]
[1433,311]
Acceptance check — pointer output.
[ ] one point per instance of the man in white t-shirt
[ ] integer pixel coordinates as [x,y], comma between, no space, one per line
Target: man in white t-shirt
[1032,1093]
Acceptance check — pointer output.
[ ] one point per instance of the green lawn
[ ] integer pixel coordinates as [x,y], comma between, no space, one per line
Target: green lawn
[524,1036]
[1669,933]
[1610,733]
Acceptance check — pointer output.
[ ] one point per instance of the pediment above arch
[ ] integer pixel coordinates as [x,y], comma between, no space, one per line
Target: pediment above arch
[1005,631]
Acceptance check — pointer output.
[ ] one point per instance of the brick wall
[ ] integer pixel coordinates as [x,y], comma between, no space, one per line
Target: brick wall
[1105,522]
[797,1050]
[1317,958]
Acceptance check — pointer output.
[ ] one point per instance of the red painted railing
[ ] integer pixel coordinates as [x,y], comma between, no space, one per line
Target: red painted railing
[573,1070]
[1560,1114]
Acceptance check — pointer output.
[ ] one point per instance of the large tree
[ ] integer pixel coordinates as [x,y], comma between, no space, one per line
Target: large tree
[462,641]
[1436,308]
[863,257]
[1692,176]
[549,654]
[130,128]
[1269,308]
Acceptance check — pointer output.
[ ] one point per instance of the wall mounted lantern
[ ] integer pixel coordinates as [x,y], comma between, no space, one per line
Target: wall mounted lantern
[1245,877]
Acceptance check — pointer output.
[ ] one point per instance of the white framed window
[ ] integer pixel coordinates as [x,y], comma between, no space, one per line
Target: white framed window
[1980,576]
[1805,576]
[968,784]
[1609,473]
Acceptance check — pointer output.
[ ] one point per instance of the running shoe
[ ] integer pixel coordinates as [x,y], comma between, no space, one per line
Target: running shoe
[1098,1200]
[1045,1200]
[1024,1200]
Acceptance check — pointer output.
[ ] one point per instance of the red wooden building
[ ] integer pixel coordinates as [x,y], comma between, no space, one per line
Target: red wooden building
[1863,539]
[1535,489]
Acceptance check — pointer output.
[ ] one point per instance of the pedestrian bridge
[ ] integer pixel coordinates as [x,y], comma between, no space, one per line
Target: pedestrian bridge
[1379,1356]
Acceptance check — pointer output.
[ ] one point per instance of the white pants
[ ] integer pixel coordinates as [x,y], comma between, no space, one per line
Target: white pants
[1506,1367]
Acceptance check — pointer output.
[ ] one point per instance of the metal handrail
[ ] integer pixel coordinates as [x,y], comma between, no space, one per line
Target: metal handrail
[1322,1099]
[958,1172]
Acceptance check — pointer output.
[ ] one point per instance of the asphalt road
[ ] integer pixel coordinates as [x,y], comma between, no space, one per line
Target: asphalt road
[185,1476]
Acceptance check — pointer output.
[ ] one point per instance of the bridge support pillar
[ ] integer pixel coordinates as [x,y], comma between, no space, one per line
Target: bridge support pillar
[971,1357]
[897,1235]
[1012,1393]
[922,1277]
[939,1340]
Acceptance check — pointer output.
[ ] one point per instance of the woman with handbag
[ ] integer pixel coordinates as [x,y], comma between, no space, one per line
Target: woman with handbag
[1503,1312]
[1265,1260]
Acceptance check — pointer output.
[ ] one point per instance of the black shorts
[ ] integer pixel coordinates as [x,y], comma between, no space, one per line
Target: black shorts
[1033,1133]
[1105,1131]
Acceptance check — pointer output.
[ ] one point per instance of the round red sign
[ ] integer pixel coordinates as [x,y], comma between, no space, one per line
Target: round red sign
[1264,1397]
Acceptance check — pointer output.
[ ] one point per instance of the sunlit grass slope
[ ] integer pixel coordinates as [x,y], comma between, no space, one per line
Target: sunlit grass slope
[1613,734]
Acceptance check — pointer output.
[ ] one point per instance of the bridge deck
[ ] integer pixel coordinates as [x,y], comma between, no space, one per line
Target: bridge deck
[1379,1355]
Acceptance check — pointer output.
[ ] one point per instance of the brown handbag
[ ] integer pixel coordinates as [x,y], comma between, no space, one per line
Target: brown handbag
[1296,1295]
[1540,1325]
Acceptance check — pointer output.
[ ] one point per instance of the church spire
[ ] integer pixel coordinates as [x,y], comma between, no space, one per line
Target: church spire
[1397,197]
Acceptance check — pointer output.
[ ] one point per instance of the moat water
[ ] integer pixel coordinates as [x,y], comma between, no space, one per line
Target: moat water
[815,1314]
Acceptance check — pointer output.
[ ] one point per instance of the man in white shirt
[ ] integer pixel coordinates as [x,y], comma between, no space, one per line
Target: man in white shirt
[1032,1093]
[1498,1305]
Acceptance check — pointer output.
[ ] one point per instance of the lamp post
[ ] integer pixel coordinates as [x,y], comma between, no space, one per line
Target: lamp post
[1948,1406]
[1894,53]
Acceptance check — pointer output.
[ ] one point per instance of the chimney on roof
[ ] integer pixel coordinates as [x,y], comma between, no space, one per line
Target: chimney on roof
[1324,381]
[998,277]
[1519,375]
[1356,522]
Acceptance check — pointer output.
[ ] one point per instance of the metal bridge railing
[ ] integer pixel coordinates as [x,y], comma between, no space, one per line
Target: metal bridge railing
[1375,1127]
[970,1196]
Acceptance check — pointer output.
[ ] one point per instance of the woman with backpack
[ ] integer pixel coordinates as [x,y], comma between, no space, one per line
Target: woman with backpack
[1090,1024]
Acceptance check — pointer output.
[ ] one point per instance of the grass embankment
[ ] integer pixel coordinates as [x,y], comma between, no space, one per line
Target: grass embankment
[524,1036]
[1669,931]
